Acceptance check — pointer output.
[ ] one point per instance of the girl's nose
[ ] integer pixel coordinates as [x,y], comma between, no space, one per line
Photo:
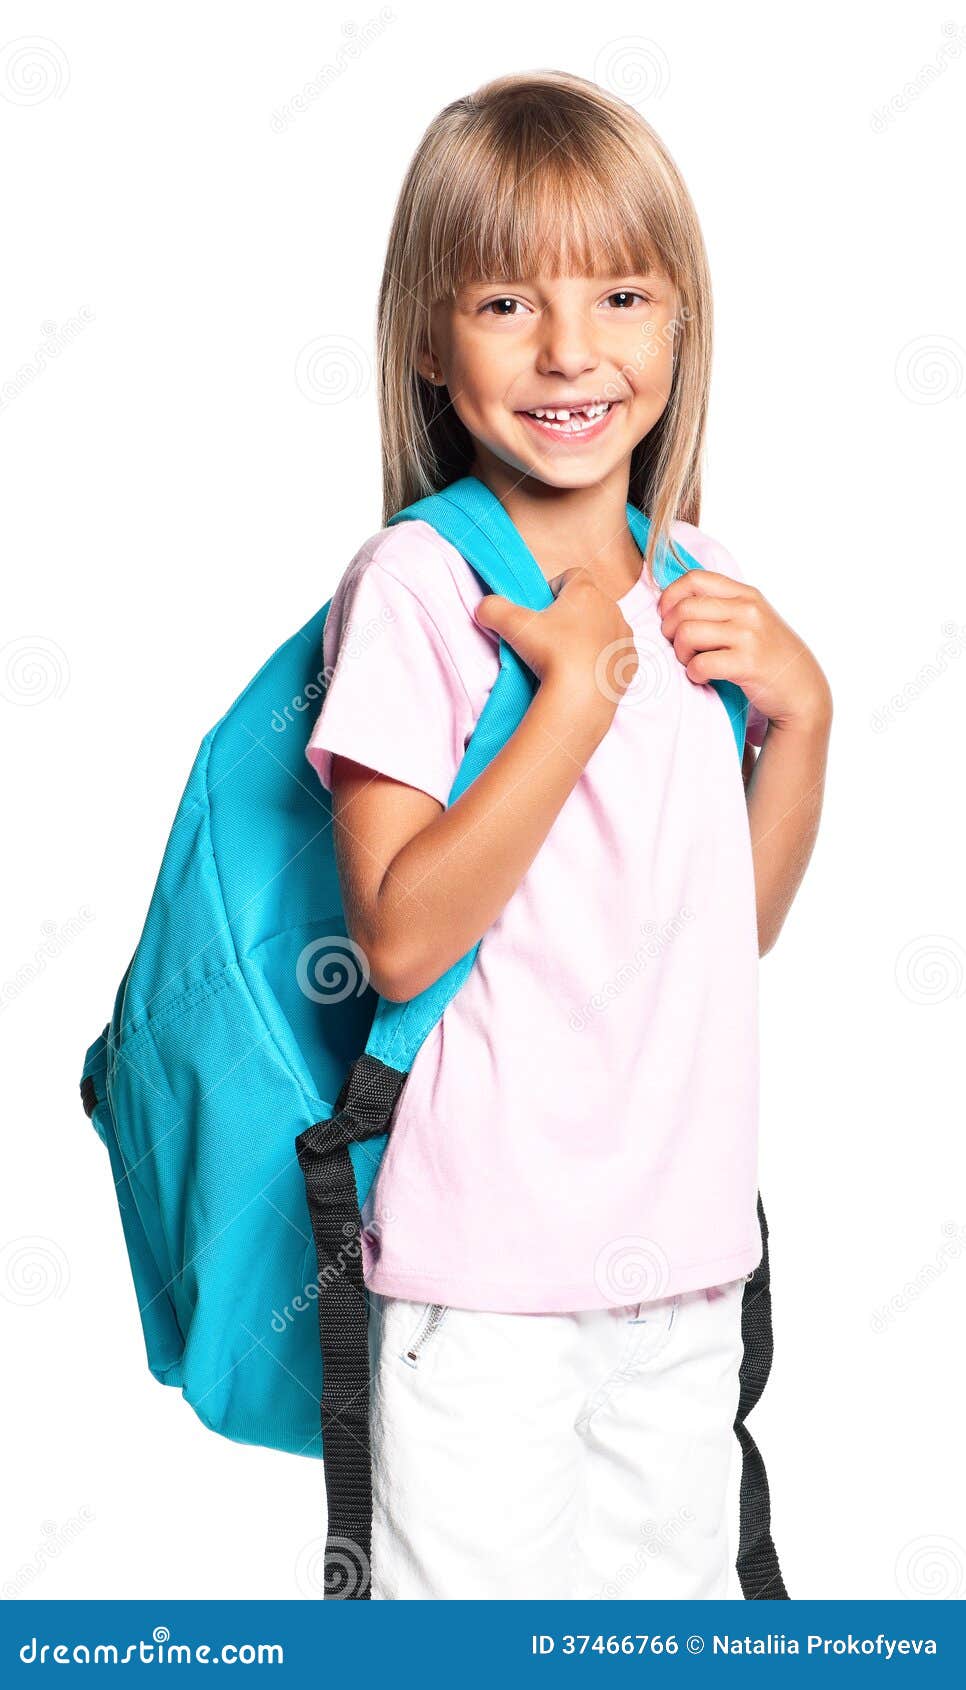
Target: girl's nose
[567,344]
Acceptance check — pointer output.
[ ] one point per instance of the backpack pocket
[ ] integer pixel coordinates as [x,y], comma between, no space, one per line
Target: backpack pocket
[207,1116]
[163,1338]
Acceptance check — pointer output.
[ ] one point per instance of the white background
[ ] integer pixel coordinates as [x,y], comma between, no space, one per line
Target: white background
[178,499]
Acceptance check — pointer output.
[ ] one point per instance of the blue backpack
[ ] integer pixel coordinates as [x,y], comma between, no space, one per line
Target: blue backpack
[245,1084]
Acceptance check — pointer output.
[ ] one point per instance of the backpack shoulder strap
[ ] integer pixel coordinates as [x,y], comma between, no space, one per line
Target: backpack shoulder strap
[668,568]
[474,521]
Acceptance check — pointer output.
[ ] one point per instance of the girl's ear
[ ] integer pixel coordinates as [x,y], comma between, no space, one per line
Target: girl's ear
[426,365]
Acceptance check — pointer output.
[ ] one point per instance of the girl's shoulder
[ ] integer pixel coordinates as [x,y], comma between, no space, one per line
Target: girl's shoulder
[410,584]
[710,553]
[413,558]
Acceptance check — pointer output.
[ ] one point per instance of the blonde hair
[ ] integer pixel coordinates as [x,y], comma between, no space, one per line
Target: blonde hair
[540,172]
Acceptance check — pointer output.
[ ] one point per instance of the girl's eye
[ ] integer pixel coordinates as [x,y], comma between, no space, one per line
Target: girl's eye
[500,302]
[507,306]
[626,296]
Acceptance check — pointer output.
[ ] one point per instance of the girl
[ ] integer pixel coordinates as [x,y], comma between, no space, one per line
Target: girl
[557,1243]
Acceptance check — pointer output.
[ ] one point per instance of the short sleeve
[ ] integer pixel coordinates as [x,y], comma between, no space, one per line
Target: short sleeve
[395,699]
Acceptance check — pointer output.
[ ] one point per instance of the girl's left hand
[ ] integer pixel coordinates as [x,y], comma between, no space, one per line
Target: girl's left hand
[725,630]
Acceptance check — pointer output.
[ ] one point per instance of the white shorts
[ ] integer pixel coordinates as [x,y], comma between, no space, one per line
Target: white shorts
[554,1455]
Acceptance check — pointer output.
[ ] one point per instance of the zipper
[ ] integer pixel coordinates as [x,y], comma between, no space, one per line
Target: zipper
[431,1320]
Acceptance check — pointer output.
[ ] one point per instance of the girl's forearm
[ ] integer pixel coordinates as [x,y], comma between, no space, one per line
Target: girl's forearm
[784,796]
[449,883]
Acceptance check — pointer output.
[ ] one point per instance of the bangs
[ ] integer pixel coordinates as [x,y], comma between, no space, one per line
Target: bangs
[545,206]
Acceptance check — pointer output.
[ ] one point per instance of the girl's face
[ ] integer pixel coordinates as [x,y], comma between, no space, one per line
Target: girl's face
[507,350]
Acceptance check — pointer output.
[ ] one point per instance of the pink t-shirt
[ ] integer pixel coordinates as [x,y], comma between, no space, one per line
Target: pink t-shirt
[580,1129]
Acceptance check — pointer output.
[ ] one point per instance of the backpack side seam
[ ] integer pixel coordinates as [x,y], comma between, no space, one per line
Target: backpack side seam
[302,1081]
[176,1008]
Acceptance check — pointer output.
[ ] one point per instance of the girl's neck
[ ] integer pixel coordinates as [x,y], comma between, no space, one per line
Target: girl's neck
[564,527]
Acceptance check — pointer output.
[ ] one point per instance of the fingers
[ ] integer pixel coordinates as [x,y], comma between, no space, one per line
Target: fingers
[707,666]
[706,605]
[502,616]
[704,582]
[704,634]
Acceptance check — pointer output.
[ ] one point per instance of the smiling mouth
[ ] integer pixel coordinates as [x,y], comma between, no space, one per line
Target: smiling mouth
[571,423]
[570,419]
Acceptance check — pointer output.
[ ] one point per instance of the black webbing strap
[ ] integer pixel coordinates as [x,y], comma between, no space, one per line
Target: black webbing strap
[757,1561]
[362,1110]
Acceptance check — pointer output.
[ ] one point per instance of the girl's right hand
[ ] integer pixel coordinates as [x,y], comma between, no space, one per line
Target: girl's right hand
[582,640]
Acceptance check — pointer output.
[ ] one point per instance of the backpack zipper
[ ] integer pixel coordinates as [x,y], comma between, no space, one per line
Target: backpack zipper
[431,1320]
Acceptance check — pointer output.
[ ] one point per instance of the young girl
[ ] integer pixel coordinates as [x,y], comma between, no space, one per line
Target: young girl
[556,1246]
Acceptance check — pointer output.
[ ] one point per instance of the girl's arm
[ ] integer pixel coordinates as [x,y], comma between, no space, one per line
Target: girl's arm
[784,792]
[723,629]
[422,883]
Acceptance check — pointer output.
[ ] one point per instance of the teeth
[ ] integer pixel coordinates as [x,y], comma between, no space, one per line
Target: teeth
[571,421]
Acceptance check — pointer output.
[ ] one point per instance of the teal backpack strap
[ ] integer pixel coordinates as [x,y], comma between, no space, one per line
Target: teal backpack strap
[340,1156]
[669,568]
[473,520]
